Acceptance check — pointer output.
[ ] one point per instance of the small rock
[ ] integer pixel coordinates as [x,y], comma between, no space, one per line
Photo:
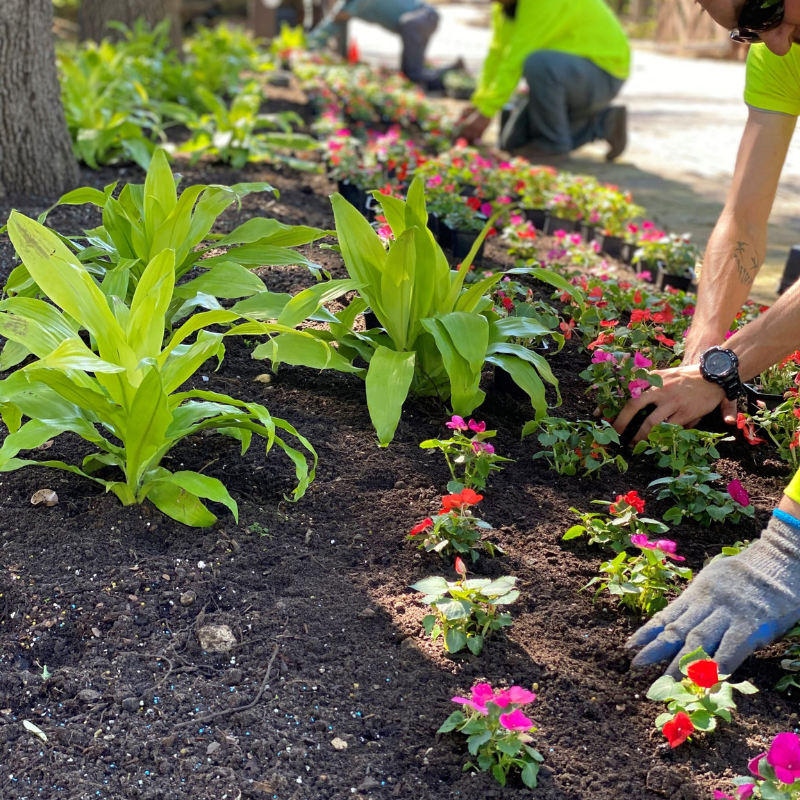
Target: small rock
[212,748]
[265,378]
[400,485]
[216,638]
[89,696]
[409,644]
[339,744]
[232,676]
[187,598]
[368,783]
[131,705]
[44,497]
[366,613]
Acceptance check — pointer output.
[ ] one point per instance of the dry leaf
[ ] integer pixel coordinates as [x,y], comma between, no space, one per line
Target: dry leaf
[45,497]
[263,378]
[46,446]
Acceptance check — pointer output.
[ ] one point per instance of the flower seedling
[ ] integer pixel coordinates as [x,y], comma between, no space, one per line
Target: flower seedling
[781,424]
[456,530]
[616,528]
[678,448]
[695,498]
[774,775]
[643,581]
[465,611]
[573,446]
[470,458]
[696,702]
[499,732]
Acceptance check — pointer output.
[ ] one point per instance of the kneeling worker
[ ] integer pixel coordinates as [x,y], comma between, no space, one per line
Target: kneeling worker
[413,21]
[575,58]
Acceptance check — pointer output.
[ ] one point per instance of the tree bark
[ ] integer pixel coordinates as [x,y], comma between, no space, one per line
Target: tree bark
[36,155]
[96,14]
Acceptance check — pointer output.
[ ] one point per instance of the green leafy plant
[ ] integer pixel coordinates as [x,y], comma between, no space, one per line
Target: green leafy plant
[677,448]
[125,399]
[642,581]
[456,529]
[469,458]
[696,702]
[782,425]
[498,731]
[774,774]
[616,528]
[573,446]
[435,335]
[465,611]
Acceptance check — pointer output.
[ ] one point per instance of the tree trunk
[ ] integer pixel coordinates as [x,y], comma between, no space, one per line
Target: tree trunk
[35,150]
[96,14]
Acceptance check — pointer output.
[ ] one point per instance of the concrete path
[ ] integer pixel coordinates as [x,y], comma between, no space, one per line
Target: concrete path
[686,118]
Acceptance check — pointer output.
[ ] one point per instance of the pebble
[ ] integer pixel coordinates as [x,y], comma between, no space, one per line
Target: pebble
[187,598]
[212,748]
[216,638]
[89,696]
[232,676]
[338,744]
[366,613]
[130,704]
[400,485]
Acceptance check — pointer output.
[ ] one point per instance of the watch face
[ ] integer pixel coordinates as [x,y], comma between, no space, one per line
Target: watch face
[718,363]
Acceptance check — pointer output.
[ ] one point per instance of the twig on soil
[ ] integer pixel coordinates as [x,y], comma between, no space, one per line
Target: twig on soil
[224,712]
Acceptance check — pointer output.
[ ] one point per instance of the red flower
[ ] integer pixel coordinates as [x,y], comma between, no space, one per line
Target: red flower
[423,526]
[678,729]
[609,323]
[474,203]
[460,567]
[508,304]
[567,327]
[632,499]
[748,429]
[596,291]
[603,338]
[637,296]
[457,502]
[664,340]
[664,316]
[703,673]
[640,315]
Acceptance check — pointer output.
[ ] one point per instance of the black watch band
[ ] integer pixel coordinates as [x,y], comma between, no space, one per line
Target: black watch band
[729,381]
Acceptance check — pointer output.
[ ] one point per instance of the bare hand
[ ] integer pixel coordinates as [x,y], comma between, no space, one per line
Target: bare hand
[474,126]
[685,397]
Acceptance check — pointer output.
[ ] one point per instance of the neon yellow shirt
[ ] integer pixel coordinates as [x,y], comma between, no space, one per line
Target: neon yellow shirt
[773,82]
[586,28]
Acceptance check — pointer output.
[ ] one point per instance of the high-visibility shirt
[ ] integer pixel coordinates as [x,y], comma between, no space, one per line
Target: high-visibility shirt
[773,82]
[586,28]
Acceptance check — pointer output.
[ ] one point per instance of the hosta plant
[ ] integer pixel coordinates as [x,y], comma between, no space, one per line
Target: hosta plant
[642,581]
[125,398]
[576,446]
[774,774]
[456,529]
[499,732]
[696,702]
[616,528]
[435,336]
[466,611]
[677,448]
[695,497]
[470,458]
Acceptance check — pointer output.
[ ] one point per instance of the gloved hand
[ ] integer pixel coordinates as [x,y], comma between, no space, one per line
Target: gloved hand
[733,607]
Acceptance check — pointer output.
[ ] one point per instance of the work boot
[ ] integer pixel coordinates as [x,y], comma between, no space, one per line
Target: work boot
[616,131]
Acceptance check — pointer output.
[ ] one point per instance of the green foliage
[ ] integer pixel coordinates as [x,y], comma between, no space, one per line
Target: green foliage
[456,532]
[782,425]
[465,612]
[128,388]
[677,448]
[574,446]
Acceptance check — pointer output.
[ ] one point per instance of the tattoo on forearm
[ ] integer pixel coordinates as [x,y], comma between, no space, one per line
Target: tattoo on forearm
[747,272]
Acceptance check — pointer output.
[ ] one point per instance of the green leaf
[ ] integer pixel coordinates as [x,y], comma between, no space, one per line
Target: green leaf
[145,332]
[179,504]
[510,746]
[663,689]
[574,532]
[300,307]
[452,722]
[475,644]
[227,280]
[388,382]
[499,774]
[205,487]
[475,741]
[690,658]
[454,640]
[433,585]
[529,774]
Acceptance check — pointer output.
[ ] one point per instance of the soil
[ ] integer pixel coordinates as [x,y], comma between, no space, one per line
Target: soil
[110,600]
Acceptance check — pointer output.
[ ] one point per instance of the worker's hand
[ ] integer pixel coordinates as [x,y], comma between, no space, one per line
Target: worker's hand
[733,607]
[473,126]
[696,344]
[467,112]
[685,397]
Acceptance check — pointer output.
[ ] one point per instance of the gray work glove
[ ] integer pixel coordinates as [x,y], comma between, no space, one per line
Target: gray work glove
[733,607]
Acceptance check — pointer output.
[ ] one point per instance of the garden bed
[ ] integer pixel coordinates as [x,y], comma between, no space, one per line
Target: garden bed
[110,600]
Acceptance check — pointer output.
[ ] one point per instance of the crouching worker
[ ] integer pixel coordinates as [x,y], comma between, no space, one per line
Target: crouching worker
[575,58]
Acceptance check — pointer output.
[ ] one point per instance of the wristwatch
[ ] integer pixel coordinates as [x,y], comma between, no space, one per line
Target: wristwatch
[721,366]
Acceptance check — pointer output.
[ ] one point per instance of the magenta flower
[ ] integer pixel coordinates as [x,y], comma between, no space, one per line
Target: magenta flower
[478,427]
[385,232]
[745,791]
[646,275]
[519,696]
[516,219]
[752,765]
[482,693]
[457,424]
[636,387]
[436,180]
[641,362]
[666,546]
[480,449]
[601,356]
[516,721]
[738,493]
[504,200]
[486,209]
[784,757]
[718,795]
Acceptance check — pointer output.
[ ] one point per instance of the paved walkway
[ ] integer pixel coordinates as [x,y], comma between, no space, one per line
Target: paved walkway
[686,118]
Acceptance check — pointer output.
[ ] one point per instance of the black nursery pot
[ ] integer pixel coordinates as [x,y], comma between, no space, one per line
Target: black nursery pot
[682,282]
[626,254]
[589,232]
[647,266]
[553,224]
[754,394]
[370,320]
[461,243]
[504,383]
[444,235]
[610,245]
[537,217]
[354,195]
[434,225]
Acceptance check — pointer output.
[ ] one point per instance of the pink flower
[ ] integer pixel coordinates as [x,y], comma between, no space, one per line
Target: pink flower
[641,362]
[646,275]
[342,132]
[457,424]
[516,219]
[482,693]
[486,209]
[480,448]
[436,180]
[745,791]
[519,696]
[601,356]
[666,546]
[636,387]
[721,795]
[738,493]
[478,427]
[752,765]
[784,757]
[560,234]
[385,232]
[516,721]
[504,200]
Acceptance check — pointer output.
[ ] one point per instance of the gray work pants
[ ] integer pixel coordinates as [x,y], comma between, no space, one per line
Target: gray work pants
[416,30]
[567,105]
